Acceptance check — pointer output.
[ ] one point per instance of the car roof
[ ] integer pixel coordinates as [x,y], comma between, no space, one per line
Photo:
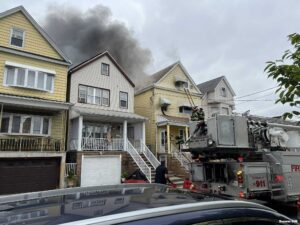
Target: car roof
[170,210]
[115,201]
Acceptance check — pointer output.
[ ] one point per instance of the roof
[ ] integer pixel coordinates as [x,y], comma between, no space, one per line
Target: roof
[33,102]
[210,85]
[173,120]
[37,26]
[109,115]
[96,57]
[156,77]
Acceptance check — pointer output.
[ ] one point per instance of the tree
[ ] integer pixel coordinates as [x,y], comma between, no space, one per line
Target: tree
[286,72]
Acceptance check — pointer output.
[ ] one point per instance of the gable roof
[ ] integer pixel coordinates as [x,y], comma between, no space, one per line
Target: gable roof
[158,76]
[98,56]
[37,26]
[210,85]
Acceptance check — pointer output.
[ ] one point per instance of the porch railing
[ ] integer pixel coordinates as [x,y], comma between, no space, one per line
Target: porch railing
[149,155]
[139,160]
[31,144]
[97,144]
[182,159]
[70,167]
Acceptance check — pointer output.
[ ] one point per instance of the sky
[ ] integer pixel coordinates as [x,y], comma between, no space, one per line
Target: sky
[211,38]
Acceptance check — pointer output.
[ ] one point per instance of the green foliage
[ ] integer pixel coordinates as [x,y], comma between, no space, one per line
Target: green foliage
[125,175]
[286,72]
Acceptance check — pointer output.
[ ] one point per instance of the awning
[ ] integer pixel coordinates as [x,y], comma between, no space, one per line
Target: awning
[165,101]
[185,104]
[180,79]
[97,114]
[31,102]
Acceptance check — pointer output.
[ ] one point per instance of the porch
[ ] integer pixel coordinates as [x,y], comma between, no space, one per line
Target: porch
[32,124]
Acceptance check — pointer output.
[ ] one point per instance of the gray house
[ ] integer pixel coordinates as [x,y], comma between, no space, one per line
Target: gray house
[218,97]
[102,120]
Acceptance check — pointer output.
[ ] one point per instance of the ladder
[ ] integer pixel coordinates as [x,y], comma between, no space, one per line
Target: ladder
[189,96]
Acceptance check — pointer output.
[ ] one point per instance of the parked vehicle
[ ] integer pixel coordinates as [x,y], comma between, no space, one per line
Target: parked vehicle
[131,204]
[239,157]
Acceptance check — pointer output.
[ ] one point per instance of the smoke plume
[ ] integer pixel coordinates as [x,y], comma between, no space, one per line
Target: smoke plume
[82,35]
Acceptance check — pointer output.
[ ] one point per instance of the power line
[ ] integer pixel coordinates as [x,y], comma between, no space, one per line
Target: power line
[254,93]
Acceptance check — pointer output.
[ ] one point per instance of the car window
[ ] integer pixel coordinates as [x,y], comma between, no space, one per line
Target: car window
[250,221]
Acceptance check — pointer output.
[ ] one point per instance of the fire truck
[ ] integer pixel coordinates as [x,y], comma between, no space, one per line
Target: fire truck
[241,157]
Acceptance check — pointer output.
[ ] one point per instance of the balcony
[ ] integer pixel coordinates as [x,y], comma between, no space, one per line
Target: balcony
[98,144]
[31,144]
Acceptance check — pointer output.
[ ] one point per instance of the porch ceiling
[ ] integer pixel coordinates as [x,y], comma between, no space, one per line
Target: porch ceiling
[95,114]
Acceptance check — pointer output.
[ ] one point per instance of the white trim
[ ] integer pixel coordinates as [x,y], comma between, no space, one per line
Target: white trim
[23,37]
[9,63]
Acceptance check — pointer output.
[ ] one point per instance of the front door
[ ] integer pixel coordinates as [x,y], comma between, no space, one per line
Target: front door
[163,140]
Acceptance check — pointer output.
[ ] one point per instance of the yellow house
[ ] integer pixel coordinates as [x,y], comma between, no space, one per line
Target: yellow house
[164,101]
[33,108]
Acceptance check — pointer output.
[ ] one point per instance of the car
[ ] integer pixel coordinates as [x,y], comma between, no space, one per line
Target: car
[132,204]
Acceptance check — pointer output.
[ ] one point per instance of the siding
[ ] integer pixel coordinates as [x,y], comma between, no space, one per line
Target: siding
[60,80]
[34,42]
[169,80]
[90,75]
[58,126]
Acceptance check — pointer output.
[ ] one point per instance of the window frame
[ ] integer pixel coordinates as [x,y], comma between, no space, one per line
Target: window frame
[11,35]
[22,119]
[123,107]
[223,92]
[46,73]
[86,87]
[102,71]
[181,109]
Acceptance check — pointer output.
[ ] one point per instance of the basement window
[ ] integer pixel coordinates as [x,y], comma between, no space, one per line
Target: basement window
[17,37]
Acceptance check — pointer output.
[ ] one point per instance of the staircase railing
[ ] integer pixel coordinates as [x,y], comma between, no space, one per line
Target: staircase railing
[184,162]
[139,160]
[149,155]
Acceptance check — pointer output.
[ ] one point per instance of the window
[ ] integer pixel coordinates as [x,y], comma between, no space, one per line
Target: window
[123,100]
[223,92]
[17,37]
[185,109]
[28,78]
[25,124]
[181,134]
[93,95]
[105,69]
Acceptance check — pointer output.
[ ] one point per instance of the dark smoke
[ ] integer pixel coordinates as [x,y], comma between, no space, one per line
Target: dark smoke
[83,35]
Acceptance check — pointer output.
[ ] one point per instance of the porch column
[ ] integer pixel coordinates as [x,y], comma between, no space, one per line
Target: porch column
[125,135]
[1,114]
[80,125]
[186,133]
[143,135]
[168,139]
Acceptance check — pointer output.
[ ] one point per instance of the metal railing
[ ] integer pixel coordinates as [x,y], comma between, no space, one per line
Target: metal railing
[70,167]
[139,160]
[149,155]
[182,159]
[96,144]
[31,144]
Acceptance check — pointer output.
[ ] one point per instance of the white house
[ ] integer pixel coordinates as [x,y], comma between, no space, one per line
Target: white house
[103,119]
[218,97]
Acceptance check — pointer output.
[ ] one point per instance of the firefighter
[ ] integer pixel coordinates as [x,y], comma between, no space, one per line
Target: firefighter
[198,115]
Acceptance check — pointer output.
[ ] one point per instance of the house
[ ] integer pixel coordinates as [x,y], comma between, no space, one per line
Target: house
[165,102]
[217,97]
[103,127]
[33,108]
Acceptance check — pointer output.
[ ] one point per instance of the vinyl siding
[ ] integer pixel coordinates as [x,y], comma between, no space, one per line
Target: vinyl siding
[144,107]
[90,75]
[34,42]
[169,80]
[60,79]
[58,126]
